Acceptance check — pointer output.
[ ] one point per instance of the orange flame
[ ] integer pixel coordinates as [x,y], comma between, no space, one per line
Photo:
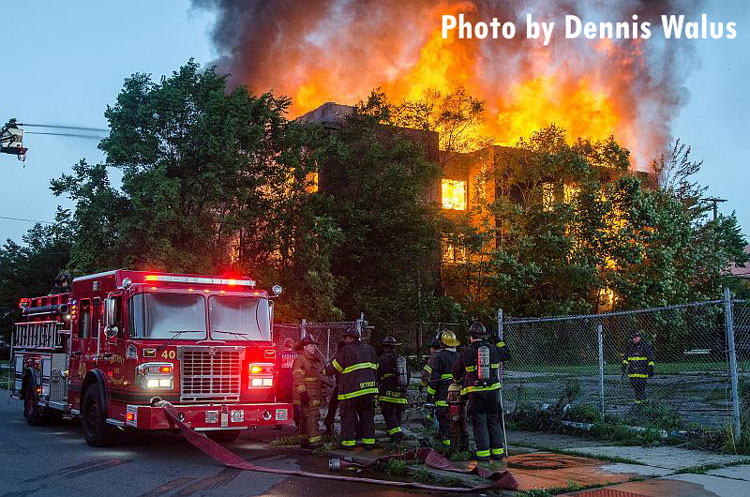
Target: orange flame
[592,88]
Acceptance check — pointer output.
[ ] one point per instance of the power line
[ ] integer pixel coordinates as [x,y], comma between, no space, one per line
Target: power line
[8,218]
[95,137]
[61,126]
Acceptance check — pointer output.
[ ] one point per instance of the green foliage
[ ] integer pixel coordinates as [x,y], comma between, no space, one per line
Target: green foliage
[214,181]
[29,269]
[377,175]
[584,413]
[423,475]
[570,223]
[393,466]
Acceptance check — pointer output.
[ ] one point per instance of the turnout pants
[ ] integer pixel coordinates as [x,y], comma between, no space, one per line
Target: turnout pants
[358,417]
[639,389]
[444,425]
[392,413]
[485,423]
[308,426]
[333,404]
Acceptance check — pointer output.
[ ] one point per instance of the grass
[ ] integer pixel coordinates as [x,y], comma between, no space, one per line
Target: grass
[285,441]
[423,476]
[393,467]
[571,486]
[614,369]
[465,455]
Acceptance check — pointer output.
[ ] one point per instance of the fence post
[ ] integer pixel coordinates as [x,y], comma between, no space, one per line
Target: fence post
[728,319]
[600,339]
[303,328]
[328,346]
[500,324]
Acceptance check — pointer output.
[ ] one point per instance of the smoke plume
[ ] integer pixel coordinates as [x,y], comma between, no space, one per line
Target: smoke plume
[338,50]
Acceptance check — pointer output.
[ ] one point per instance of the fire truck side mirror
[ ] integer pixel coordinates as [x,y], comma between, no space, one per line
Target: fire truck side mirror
[110,318]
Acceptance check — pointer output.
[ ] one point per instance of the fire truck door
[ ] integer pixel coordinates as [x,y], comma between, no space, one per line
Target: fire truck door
[80,350]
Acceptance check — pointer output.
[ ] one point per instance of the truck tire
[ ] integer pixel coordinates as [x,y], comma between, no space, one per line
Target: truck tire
[224,436]
[96,431]
[32,411]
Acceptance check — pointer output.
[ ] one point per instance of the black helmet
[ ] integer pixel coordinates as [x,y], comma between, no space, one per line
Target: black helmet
[351,332]
[308,340]
[390,340]
[477,329]
[634,334]
[435,343]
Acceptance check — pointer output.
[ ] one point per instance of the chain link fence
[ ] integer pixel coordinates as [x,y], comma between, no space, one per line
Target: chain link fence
[575,364]
[328,335]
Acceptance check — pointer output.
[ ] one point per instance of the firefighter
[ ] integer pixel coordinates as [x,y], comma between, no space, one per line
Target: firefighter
[355,365]
[285,392]
[426,372]
[440,379]
[393,381]
[477,370]
[333,401]
[638,362]
[307,392]
[427,369]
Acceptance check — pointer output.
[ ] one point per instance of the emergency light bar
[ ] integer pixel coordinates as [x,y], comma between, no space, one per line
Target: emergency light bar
[200,280]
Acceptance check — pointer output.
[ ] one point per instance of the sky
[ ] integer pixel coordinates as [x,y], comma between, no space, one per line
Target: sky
[68,61]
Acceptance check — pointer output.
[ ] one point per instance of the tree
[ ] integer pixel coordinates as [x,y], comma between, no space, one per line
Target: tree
[29,269]
[379,177]
[214,181]
[570,225]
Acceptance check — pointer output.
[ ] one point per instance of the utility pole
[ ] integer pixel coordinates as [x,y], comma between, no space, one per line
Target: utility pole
[715,201]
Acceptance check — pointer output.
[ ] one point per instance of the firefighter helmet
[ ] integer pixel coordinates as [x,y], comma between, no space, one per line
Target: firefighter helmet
[390,340]
[448,338]
[434,343]
[308,340]
[477,329]
[351,332]
[288,344]
[635,333]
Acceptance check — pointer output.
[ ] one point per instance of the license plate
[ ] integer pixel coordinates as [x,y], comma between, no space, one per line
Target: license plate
[281,415]
[238,416]
[212,416]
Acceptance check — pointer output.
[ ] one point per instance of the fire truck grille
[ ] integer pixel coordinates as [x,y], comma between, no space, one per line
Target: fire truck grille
[210,374]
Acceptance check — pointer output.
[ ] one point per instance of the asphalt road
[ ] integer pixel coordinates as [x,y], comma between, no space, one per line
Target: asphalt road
[55,461]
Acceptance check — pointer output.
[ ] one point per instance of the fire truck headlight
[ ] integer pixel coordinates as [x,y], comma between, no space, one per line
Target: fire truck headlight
[155,375]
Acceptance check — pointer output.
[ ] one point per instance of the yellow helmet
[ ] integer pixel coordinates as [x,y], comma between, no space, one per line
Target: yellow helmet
[449,338]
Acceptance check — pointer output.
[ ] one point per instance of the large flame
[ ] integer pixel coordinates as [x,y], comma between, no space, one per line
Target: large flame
[341,49]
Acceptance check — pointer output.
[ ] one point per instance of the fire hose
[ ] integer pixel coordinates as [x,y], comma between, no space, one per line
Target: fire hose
[501,480]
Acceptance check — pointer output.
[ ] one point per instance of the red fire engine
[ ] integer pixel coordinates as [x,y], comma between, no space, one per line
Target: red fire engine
[119,344]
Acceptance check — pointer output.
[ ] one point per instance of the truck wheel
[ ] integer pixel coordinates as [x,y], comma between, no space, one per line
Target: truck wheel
[224,436]
[96,431]
[32,411]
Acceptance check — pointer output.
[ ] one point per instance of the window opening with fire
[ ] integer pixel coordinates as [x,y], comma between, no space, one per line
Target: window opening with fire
[454,194]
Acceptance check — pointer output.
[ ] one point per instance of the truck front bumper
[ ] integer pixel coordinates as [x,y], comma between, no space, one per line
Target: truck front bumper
[207,417]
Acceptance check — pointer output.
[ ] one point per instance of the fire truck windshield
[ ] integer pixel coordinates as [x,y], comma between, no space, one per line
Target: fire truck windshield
[244,317]
[163,315]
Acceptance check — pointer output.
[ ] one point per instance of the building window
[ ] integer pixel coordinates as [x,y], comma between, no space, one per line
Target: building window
[548,197]
[312,182]
[571,193]
[453,252]
[454,194]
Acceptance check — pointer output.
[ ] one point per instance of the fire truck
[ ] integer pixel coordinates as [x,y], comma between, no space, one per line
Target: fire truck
[112,348]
